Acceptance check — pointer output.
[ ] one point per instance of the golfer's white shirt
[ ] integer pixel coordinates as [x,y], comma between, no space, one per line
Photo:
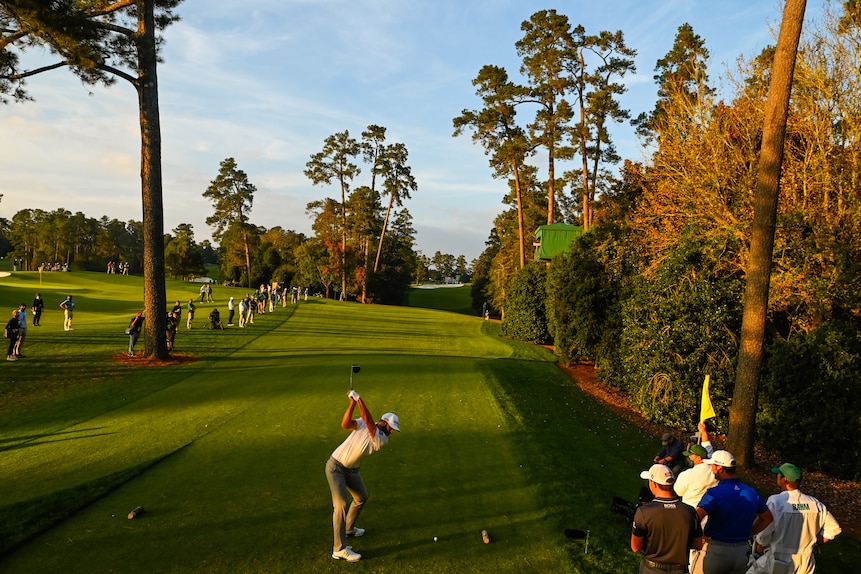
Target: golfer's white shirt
[693,483]
[358,444]
[798,519]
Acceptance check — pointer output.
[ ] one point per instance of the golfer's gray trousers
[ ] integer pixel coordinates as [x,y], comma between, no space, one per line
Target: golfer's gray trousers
[725,557]
[348,497]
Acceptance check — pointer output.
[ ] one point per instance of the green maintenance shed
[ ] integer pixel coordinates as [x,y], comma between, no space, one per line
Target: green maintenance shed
[554,238]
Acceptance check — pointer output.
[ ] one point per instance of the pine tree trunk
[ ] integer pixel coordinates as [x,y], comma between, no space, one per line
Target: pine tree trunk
[520,230]
[155,298]
[383,234]
[742,416]
[247,258]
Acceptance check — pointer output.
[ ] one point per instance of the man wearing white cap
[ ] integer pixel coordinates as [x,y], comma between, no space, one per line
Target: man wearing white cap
[691,485]
[342,471]
[664,529]
[800,522]
[736,512]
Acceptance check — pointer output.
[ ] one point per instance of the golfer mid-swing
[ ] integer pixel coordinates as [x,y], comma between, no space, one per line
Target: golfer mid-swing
[342,471]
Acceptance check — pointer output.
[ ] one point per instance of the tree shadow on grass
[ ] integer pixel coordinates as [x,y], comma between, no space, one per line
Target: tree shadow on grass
[19,442]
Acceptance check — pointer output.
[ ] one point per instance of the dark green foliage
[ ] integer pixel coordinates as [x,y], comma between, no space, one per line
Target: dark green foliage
[525,313]
[583,295]
[810,399]
[680,325]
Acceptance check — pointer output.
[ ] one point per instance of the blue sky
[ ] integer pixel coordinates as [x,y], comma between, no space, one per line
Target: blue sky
[267,83]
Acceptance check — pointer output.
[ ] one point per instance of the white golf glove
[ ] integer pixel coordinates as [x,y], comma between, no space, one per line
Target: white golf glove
[354,395]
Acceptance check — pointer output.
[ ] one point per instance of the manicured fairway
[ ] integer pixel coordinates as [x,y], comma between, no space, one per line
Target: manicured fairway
[226,455]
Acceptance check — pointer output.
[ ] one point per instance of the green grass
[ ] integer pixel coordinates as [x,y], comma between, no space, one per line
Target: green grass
[227,454]
[454,299]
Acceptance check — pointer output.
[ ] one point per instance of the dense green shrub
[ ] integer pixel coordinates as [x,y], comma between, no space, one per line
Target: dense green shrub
[582,301]
[525,306]
[810,399]
[680,324]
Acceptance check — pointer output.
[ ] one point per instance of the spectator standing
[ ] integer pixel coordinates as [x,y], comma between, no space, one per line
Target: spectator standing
[177,311]
[134,331]
[251,305]
[170,330]
[190,314]
[735,513]
[243,311]
[12,334]
[664,529]
[22,331]
[231,311]
[800,522]
[38,304]
[68,307]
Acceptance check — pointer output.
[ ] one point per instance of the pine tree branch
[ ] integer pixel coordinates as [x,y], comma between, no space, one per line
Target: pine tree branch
[116,6]
[29,73]
[117,72]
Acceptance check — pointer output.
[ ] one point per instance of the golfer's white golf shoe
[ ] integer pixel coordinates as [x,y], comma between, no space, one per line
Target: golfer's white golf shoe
[347,554]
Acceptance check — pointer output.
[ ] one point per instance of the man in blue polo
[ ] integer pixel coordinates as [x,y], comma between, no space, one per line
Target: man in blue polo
[736,512]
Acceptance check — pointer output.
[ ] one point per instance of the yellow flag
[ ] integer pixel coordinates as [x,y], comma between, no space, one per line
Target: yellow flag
[706,409]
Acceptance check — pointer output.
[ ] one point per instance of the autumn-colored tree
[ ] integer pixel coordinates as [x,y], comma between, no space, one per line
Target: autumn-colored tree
[364,225]
[327,226]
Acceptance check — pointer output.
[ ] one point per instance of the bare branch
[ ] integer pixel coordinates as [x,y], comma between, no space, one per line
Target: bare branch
[29,73]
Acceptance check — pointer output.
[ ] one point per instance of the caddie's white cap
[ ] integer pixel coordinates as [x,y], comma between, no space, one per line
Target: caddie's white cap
[721,458]
[392,419]
[660,474]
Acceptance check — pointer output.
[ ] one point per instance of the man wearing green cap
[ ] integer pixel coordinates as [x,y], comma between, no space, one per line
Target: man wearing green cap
[691,485]
[800,521]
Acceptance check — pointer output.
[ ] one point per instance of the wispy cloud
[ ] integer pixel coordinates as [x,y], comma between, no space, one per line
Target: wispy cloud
[266,82]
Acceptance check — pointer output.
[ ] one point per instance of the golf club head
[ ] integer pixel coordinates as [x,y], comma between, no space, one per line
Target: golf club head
[355,368]
[575,533]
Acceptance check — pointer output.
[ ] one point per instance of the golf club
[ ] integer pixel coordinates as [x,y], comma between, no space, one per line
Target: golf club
[575,533]
[353,369]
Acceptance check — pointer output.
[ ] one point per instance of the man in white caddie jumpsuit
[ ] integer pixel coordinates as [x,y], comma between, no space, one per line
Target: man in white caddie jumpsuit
[800,522]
